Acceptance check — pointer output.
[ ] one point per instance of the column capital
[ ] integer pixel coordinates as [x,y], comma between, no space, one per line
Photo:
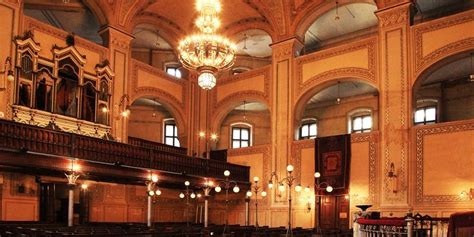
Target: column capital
[116,38]
[400,14]
[288,48]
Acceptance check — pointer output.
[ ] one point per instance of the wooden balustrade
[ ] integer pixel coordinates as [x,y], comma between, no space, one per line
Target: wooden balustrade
[17,136]
[156,146]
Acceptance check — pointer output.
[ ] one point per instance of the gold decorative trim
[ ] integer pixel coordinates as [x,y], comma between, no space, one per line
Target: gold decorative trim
[422,63]
[421,132]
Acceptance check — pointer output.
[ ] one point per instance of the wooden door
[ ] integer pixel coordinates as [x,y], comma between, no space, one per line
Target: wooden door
[334,213]
[47,201]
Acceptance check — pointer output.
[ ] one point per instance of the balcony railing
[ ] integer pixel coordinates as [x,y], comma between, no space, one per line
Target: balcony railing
[156,146]
[19,136]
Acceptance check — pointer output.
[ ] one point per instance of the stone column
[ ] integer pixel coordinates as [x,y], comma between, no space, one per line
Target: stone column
[284,53]
[395,110]
[70,207]
[206,211]
[149,210]
[118,43]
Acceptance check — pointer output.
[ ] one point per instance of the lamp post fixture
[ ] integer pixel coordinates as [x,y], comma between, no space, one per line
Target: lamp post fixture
[72,176]
[212,138]
[151,192]
[208,185]
[319,186]
[188,193]
[256,189]
[288,180]
[226,184]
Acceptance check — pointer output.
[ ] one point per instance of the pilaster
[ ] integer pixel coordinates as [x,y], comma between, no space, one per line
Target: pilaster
[284,54]
[394,26]
[118,43]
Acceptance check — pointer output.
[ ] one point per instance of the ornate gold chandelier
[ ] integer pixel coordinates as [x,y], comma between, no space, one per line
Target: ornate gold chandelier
[207,52]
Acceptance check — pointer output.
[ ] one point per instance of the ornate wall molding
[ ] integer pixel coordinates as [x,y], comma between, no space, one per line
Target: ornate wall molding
[420,133]
[373,140]
[394,17]
[424,62]
[369,75]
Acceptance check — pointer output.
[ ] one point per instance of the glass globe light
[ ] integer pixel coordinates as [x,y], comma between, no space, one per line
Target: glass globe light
[158,192]
[317,175]
[218,189]
[10,76]
[329,189]
[264,194]
[193,195]
[151,193]
[249,193]
[290,168]
[307,189]
[226,173]
[181,195]
[154,178]
[199,195]
[281,188]
[256,179]
[187,183]
[236,189]
[298,188]
[207,80]
[270,185]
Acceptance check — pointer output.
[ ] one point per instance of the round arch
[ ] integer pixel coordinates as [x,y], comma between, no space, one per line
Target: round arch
[168,32]
[236,28]
[307,18]
[97,11]
[175,112]
[303,99]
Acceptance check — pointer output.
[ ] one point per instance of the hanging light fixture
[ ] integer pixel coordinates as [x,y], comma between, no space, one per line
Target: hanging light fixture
[337,11]
[245,115]
[207,52]
[338,100]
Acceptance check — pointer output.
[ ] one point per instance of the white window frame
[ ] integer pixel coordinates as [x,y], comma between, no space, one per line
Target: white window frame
[363,112]
[176,66]
[170,121]
[307,121]
[240,125]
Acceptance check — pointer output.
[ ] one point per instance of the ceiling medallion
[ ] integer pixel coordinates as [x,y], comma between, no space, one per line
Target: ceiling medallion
[207,52]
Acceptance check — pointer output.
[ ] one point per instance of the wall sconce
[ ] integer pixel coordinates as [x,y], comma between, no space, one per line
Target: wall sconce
[467,195]
[124,103]
[393,178]
[7,69]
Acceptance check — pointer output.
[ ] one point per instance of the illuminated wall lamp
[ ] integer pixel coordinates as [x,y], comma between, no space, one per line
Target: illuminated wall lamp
[393,178]
[8,69]
[467,195]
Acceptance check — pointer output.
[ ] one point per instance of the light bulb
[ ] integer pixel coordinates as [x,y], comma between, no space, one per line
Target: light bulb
[256,179]
[202,134]
[181,195]
[186,183]
[281,188]
[298,188]
[84,186]
[270,185]
[193,195]
[346,197]
[154,178]
[218,189]
[158,192]
[105,110]
[317,175]
[199,195]
[289,168]
[249,193]
[307,189]
[226,173]
[329,189]
[210,183]
[264,194]
[213,136]
[151,193]
[10,76]
[236,189]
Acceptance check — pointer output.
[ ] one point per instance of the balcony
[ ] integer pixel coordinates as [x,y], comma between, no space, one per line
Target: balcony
[139,154]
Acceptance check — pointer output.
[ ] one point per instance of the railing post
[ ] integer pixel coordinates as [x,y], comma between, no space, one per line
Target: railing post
[409,220]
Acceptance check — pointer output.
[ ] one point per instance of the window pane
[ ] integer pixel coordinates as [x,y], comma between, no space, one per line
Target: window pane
[419,116]
[175,130]
[357,123]
[244,144]
[178,73]
[313,130]
[236,133]
[244,134]
[171,71]
[169,141]
[169,131]
[235,144]
[431,114]
[367,122]
[176,142]
[304,131]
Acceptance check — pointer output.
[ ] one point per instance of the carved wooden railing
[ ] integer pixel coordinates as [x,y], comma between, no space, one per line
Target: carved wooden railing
[156,146]
[17,136]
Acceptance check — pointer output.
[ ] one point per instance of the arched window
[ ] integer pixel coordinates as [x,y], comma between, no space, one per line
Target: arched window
[360,121]
[67,92]
[44,92]
[308,129]
[170,134]
[241,135]
[88,102]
